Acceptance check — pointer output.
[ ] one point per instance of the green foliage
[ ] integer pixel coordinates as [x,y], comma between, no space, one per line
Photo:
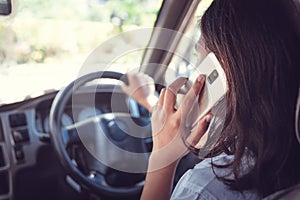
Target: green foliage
[50,29]
[131,11]
[48,9]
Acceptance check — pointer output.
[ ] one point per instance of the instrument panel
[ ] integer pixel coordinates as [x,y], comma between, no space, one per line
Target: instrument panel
[79,108]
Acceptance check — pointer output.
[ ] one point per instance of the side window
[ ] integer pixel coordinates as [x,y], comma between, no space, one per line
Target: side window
[184,62]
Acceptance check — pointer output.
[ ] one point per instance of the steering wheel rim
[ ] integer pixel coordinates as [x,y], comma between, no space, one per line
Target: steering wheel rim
[56,135]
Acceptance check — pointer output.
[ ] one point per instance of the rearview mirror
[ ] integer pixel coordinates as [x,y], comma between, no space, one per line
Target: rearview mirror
[5,7]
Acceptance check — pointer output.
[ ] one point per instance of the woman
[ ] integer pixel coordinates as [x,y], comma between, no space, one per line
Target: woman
[258,152]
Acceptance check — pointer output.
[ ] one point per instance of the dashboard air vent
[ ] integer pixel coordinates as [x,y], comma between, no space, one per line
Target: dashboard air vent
[17,120]
[1,132]
[2,161]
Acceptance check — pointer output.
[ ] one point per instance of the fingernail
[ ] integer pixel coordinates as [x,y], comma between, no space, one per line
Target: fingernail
[200,78]
[208,118]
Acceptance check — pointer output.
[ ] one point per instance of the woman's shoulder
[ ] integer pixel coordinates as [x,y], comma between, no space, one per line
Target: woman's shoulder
[202,183]
[219,160]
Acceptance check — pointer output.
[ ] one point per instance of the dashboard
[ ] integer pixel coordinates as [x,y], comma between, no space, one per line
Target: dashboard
[82,110]
[24,132]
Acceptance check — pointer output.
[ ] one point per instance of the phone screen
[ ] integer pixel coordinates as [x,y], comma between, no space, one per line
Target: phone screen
[215,85]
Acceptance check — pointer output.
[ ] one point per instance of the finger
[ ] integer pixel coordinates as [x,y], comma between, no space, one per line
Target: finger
[191,97]
[161,97]
[199,131]
[177,84]
[127,88]
[203,125]
[124,86]
[130,76]
[133,77]
[171,92]
[170,100]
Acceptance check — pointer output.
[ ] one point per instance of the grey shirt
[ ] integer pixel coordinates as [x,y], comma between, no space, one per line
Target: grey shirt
[201,183]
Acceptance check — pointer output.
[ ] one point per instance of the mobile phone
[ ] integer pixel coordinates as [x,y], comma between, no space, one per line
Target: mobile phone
[215,86]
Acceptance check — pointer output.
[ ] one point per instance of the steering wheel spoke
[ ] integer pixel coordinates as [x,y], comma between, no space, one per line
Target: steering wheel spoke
[70,136]
[97,177]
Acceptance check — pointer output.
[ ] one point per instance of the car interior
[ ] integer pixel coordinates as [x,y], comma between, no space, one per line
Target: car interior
[67,129]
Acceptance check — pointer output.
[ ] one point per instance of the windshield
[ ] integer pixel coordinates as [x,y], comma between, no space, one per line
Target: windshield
[44,43]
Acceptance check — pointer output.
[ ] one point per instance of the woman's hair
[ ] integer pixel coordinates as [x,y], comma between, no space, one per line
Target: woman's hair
[260,53]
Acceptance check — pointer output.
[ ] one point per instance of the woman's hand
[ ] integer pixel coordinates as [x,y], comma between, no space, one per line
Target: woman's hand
[141,88]
[168,123]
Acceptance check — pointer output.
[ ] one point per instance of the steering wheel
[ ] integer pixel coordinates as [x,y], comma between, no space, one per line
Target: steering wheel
[105,173]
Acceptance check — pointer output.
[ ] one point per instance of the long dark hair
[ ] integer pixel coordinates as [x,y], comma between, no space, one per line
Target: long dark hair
[260,53]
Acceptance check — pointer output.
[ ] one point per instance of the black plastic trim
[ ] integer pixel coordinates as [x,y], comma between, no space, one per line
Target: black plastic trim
[1,132]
